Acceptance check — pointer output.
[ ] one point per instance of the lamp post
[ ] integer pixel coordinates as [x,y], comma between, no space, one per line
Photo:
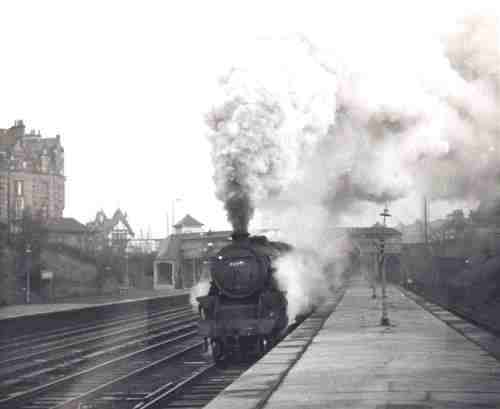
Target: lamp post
[384,321]
[28,272]
[127,280]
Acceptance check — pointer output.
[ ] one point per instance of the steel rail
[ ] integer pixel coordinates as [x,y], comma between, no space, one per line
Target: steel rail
[84,360]
[90,351]
[161,396]
[71,403]
[16,343]
[453,308]
[62,345]
[46,387]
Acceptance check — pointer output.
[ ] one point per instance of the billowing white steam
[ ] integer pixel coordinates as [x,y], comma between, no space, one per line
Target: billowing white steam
[299,273]
[311,136]
[199,290]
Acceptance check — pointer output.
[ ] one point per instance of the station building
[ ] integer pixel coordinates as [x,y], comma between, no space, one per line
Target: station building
[367,240]
[182,257]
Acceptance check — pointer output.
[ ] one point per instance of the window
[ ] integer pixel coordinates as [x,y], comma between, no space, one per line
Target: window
[165,275]
[19,207]
[44,162]
[19,187]
[119,235]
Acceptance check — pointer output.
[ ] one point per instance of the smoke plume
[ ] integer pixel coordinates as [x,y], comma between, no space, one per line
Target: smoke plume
[265,115]
[319,134]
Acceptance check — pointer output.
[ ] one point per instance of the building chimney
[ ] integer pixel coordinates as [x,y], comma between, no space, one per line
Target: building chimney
[19,128]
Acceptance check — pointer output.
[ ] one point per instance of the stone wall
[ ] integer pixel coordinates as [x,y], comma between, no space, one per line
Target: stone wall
[72,276]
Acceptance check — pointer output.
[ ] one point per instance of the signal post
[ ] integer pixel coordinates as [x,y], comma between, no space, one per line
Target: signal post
[384,321]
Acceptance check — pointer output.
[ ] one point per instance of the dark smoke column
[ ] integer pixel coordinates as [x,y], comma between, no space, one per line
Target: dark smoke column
[239,207]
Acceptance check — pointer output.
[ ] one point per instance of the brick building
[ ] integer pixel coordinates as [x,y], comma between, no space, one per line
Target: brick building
[31,174]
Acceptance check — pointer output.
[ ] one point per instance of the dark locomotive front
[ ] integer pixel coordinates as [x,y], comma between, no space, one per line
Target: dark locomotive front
[244,312]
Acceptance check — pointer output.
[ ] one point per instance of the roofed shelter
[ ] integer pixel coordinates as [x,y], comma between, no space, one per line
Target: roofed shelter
[182,257]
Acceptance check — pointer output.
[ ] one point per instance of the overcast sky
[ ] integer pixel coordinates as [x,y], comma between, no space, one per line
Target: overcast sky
[126,85]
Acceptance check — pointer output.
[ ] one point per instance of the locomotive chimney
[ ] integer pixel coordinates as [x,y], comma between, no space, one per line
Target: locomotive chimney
[240,235]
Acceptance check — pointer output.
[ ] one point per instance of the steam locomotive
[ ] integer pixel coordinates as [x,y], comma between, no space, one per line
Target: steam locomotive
[244,312]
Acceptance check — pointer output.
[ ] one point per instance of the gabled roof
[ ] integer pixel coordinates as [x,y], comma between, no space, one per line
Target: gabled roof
[108,224]
[188,221]
[66,225]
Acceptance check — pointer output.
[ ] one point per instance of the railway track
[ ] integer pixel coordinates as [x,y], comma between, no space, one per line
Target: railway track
[33,366]
[159,363]
[95,325]
[172,370]
[201,382]
[459,320]
[467,314]
[17,350]
[28,375]
[47,393]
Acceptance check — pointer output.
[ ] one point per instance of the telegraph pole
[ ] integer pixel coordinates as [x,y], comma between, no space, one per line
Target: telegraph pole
[28,273]
[177,200]
[426,221]
[384,321]
[10,158]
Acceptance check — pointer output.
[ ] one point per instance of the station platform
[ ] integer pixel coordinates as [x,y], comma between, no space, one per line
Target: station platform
[25,310]
[418,362]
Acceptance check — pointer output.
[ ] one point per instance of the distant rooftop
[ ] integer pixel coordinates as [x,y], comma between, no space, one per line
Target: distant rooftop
[188,221]
[66,225]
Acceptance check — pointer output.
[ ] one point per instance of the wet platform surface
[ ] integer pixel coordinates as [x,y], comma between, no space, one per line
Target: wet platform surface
[419,362]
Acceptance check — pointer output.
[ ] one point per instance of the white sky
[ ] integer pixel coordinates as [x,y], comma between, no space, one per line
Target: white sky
[126,84]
